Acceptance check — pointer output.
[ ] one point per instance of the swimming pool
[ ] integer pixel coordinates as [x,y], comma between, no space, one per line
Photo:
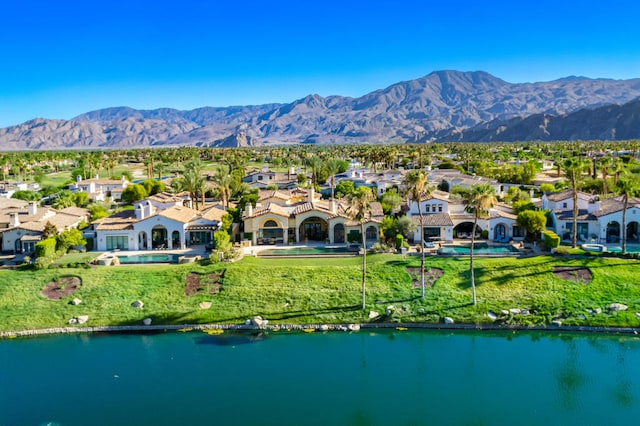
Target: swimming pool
[631,248]
[307,251]
[148,258]
[478,248]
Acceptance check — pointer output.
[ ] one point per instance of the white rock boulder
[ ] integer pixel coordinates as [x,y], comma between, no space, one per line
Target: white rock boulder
[448,320]
[138,304]
[617,307]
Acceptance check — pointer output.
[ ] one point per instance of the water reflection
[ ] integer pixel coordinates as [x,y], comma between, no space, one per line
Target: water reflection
[569,377]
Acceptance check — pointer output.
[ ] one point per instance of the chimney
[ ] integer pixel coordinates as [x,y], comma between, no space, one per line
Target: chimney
[97,176]
[33,208]
[332,206]
[139,211]
[122,178]
[13,220]
[312,195]
[249,209]
[79,178]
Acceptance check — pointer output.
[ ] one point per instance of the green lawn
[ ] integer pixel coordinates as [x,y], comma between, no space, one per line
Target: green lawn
[327,291]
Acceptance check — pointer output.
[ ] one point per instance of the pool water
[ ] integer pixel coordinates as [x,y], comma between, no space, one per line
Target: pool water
[631,248]
[479,248]
[148,258]
[307,251]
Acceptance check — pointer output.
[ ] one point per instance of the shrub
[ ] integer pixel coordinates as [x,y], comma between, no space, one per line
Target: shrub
[550,239]
[399,241]
[380,248]
[485,234]
[562,250]
[46,248]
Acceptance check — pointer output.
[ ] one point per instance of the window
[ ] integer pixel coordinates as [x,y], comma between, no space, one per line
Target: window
[119,242]
[564,205]
[426,208]
[440,208]
[518,232]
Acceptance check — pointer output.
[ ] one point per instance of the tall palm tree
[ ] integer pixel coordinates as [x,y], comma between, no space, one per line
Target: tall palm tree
[333,168]
[478,201]
[417,190]
[573,168]
[605,165]
[628,188]
[359,210]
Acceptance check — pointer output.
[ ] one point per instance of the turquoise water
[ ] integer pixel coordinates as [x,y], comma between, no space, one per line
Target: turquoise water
[306,251]
[631,248]
[149,258]
[479,248]
[366,378]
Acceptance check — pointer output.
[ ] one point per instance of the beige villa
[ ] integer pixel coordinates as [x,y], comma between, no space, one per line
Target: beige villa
[299,217]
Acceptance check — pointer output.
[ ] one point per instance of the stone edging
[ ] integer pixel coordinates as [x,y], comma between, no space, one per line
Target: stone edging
[315,327]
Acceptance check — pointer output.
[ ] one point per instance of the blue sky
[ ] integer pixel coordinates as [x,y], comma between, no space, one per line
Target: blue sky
[62,58]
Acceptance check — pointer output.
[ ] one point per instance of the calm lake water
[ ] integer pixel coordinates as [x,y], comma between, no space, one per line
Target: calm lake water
[366,378]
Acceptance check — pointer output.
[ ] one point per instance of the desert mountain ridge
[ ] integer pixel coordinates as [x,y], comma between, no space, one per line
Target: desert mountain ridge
[441,106]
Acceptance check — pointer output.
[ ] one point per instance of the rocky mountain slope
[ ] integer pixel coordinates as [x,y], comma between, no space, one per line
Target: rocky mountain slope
[444,105]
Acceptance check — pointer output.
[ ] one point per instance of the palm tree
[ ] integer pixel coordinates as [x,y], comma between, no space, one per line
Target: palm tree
[605,164]
[573,168]
[333,168]
[417,189]
[478,201]
[359,210]
[628,188]
[192,181]
[223,180]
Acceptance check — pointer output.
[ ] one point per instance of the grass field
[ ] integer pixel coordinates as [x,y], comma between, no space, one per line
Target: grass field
[327,291]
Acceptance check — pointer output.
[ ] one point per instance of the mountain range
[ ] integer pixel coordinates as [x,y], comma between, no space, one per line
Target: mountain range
[442,106]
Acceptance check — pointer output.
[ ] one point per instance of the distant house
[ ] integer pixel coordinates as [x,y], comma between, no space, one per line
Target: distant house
[100,189]
[161,221]
[22,226]
[261,179]
[300,216]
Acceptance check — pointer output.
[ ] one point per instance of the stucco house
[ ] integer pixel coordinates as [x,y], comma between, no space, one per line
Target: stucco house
[444,218]
[598,221]
[100,189]
[22,223]
[299,216]
[162,221]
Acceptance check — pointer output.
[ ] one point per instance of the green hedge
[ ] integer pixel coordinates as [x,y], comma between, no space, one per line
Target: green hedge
[46,247]
[551,239]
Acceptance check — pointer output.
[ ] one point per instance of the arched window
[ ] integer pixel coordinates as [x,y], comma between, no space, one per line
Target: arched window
[270,224]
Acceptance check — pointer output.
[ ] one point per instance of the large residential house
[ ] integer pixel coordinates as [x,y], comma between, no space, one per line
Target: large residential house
[381,182]
[100,189]
[161,221]
[299,216]
[454,177]
[22,223]
[444,218]
[598,221]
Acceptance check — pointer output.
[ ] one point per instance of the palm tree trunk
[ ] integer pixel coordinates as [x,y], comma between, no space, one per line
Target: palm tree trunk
[364,262]
[574,239]
[624,224]
[421,252]
[473,277]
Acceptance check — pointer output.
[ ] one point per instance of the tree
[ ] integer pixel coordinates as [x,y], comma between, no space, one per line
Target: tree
[50,230]
[480,199]
[97,212]
[405,226]
[417,190]
[359,210]
[391,202]
[628,188]
[81,199]
[153,186]
[64,199]
[192,181]
[345,188]
[573,167]
[133,193]
[534,221]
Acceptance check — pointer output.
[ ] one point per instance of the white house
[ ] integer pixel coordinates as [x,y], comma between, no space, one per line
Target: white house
[161,221]
[444,219]
[22,226]
[99,189]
